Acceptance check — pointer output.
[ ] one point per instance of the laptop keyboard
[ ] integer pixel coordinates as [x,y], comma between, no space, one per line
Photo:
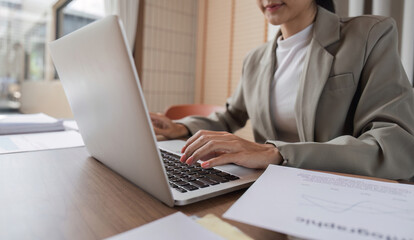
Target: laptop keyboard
[183,177]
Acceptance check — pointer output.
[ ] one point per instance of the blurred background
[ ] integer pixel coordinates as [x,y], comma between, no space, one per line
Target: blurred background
[186,51]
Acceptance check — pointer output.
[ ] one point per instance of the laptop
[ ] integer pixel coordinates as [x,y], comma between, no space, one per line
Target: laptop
[101,83]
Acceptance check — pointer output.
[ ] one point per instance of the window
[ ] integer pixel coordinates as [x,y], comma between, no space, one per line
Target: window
[35,52]
[22,46]
[74,14]
[169,53]
[25,29]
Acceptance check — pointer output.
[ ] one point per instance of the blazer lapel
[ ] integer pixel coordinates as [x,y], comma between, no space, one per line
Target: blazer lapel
[269,67]
[315,72]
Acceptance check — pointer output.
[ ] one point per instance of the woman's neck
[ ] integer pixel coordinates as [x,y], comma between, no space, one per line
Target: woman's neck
[296,25]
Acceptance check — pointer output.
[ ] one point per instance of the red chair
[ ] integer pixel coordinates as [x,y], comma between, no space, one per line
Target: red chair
[180,111]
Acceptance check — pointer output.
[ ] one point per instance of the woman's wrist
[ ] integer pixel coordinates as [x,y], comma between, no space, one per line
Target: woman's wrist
[274,155]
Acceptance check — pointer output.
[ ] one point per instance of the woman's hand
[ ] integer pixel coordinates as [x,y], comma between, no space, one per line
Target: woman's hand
[222,148]
[164,126]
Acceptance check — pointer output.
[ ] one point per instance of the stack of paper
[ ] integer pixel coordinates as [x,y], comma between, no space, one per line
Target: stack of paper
[71,125]
[29,123]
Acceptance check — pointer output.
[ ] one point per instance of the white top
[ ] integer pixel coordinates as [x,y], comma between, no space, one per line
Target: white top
[290,58]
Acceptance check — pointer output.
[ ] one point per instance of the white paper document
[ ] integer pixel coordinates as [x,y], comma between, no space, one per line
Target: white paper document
[29,123]
[39,141]
[317,205]
[176,226]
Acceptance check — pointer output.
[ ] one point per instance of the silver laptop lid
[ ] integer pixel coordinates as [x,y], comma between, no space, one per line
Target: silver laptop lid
[101,83]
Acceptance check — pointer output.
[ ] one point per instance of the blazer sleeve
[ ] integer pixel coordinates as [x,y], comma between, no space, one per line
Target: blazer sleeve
[382,144]
[233,118]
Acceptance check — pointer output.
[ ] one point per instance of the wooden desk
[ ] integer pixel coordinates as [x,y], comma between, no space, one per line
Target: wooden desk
[65,194]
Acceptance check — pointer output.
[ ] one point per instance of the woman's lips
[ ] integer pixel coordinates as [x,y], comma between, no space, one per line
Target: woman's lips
[274,7]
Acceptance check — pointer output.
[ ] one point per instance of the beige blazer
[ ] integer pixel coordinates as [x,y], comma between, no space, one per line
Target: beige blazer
[355,106]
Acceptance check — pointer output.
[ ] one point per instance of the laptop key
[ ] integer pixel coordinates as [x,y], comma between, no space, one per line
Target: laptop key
[173,185]
[198,175]
[231,177]
[208,181]
[216,178]
[188,179]
[199,184]
[182,183]
[222,174]
[194,170]
[180,190]
[214,171]
[190,187]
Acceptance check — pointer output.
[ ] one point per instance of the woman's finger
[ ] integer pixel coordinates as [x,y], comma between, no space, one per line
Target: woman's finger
[198,143]
[201,141]
[198,135]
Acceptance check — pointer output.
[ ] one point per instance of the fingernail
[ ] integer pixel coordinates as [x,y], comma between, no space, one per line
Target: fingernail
[189,160]
[205,164]
[182,158]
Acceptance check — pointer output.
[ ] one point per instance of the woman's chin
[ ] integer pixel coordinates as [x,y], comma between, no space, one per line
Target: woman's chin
[274,19]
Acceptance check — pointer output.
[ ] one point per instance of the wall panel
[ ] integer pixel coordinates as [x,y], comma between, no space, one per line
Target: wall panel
[217,58]
[232,29]
[169,52]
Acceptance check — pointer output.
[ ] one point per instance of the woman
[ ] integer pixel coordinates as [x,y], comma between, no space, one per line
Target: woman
[328,94]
